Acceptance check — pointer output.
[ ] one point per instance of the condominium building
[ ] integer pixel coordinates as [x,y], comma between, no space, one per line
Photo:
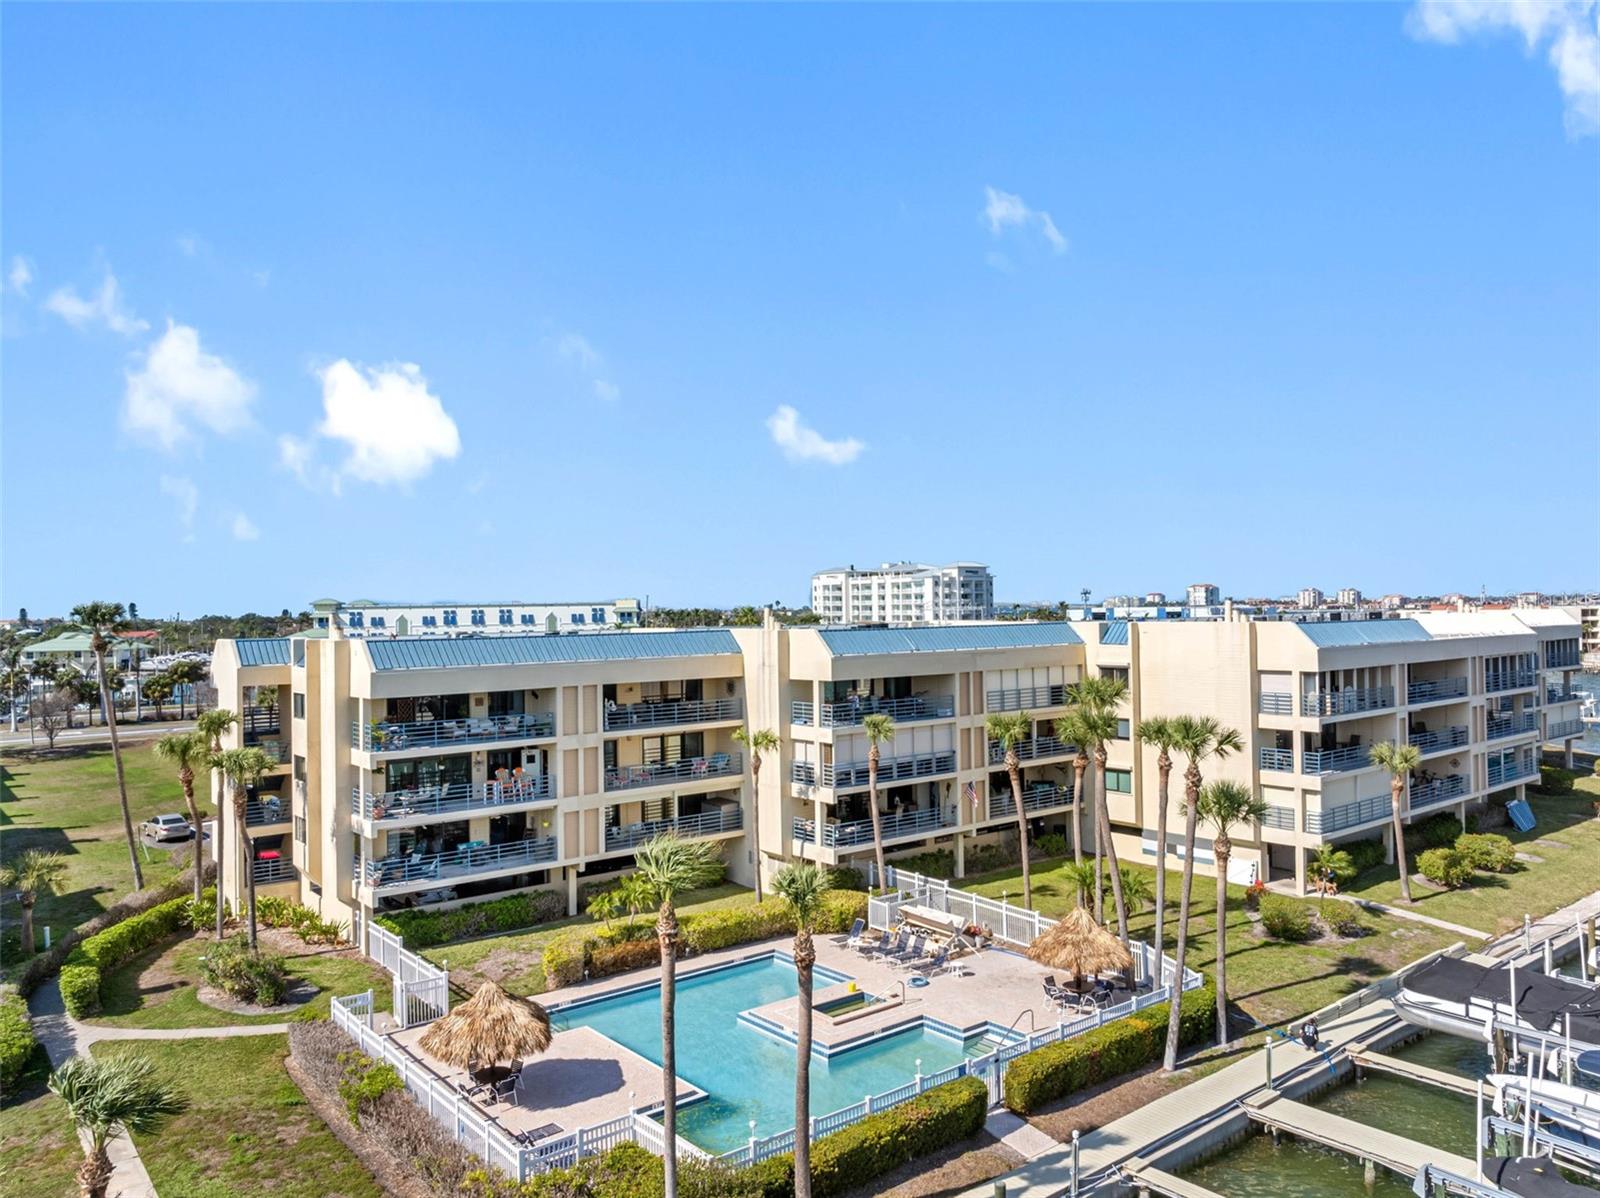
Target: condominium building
[903,593]
[369,617]
[436,770]
[1349,597]
[1309,597]
[1589,616]
[1204,594]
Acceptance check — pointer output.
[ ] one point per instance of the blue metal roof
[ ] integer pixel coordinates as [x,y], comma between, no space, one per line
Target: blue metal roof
[263,650]
[860,642]
[438,653]
[1114,632]
[1341,633]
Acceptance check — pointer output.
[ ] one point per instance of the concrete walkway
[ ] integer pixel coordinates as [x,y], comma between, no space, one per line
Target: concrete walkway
[1455,929]
[63,1038]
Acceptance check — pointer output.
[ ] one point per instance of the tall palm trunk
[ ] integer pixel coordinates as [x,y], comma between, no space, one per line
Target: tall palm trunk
[1397,795]
[667,935]
[877,822]
[1080,766]
[1014,768]
[116,758]
[247,865]
[1224,849]
[805,958]
[1164,773]
[1103,824]
[186,780]
[1099,849]
[755,817]
[1191,815]
[26,900]
[94,1175]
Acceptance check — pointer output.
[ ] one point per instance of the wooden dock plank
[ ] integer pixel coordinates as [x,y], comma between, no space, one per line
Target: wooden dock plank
[1346,1135]
[1380,1062]
[1159,1181]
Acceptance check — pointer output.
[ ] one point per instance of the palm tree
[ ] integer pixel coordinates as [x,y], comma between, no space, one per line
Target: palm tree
[1009,731]
[670,866]
[1136,888]
[34,874]
[1069,730]
[803,884]
[186,750]
[11,648]
[100,618]
[1399,760]
[878,728]
[1095,723]
[212,724]
[116,1094]
[246,768]
[759,741]
[1197,738]
[158,689]
[1328,864]
[1081,875]
[184,673]
[1225,805]
[1159,731]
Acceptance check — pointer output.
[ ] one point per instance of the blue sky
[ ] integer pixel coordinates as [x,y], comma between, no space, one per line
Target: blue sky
[543,302]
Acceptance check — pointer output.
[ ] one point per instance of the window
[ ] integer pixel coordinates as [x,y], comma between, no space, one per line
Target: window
[450,618]
[1119,781]
[300,829]
[477,616]
[355,619]
[527,617]
[577,617]
[430,621]
[299,653]
[1123,730]
[598,615]
[299,705]
[505,615]
[1120,673]
[379,621]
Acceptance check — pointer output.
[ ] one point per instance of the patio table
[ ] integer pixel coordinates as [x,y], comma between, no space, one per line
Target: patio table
[471,847]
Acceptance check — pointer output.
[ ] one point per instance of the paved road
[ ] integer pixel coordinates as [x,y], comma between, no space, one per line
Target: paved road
[95,735]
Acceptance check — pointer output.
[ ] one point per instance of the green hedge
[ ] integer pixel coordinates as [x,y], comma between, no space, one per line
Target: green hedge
[604,950]
[1119,1047]
[1487,850]
[1447,867]
[16,1036]
[1364,854]
[1285,919]
[118,944]
[855,1155]
[424,929]
[1553,780]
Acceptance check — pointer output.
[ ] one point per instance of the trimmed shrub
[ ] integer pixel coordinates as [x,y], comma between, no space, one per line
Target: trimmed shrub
[1487,851]
[855,1155]
[1051,844]
[424,929]
[364,1081]
[250,977]
[938,863]
[17,1040]
[1048,1073]
[619,958]
[1285,919]
[1447,867]
[1553,780]
[1364,854]
[847,877]
[1436,832]
[118,944]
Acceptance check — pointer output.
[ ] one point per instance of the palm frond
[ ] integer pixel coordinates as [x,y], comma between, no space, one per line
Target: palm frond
[878,727]
[669,866]
[803,885]
[1225,804]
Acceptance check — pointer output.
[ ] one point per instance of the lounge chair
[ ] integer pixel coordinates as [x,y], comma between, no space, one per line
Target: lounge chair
[902,944]
[868,946]
[914,953]
[938,963]
[857,930]
[535,1134]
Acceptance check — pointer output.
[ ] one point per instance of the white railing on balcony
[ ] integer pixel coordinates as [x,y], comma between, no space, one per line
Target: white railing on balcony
[458,863]
[1516,725]
[1026,698]
[1555,694]
[1560,729]
[1036,796]
[671,773]
[850,774]
[705,823]
[1438,790]
[1432,690]
[803,772]
[1348,815]
[849,712]
[1506,770]
[1275,703]
[1351,701]
[1279,817]
[1438,740]
[1510,680]
[850,833]
[662,715]
[1272,758]
[268,809]
[449,798]
[1335,761]
[1032,749]
[387,737]
[279,869]
[256,722]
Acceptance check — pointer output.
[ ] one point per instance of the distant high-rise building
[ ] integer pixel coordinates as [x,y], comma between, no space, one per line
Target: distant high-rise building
[1349,597]
[1155,598]
[1529,598]
[1204,594]
[903,593]
[1309,597]
[1392,602]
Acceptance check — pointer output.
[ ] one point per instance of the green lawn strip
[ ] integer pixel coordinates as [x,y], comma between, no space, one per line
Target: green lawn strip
[39,1153]
[514,959]
[67,803]
[1272,981]
[1496,903]
[157,989]
[247,1130]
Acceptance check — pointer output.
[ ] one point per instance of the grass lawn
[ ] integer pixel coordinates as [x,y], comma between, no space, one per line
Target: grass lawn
[39,1151]
[1269,980]
[66,802]
[1567,841]
[514,960]
[157,989]
[248,1129]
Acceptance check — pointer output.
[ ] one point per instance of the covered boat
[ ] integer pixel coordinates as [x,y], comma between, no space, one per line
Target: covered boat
[1462,998]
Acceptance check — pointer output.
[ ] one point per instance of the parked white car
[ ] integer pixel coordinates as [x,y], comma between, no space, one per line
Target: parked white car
[167,827]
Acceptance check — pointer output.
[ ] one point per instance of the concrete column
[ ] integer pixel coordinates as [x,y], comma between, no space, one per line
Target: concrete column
[572,890]
[1299,869]
[1388,844]
[1567,754]
[961,855]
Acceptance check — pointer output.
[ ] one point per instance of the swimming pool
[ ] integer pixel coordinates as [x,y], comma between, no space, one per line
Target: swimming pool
[746,1073]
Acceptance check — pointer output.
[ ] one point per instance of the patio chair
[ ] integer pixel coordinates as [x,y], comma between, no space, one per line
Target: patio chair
[534,1134]
[938,963]
[856,931]
[719,761]
[913,954]
[902,942]
[868,946]
[505,1090]
[1055,994]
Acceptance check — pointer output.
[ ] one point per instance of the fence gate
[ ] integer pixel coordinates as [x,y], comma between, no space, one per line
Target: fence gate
[420,1000]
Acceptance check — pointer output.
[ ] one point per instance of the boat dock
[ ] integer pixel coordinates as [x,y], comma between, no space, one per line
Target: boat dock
[1364,1058]
[1148,1180]
[1285,1116]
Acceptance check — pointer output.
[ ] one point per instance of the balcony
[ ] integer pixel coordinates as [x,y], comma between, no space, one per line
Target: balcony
[1276,759]
[1453,737]
[1275,703]
[1436,689]
[458,863]
[1561,729]
[265,871]
[1039,796]
[1512,725]
[1351,701]
[1348,815]
[853,774]
[1562,657]
[1439,790]
[1032,749]
[451,799]
[803,772]
[1026,698]
[852,712]
[664,715]
[1510,680]
[1554,694]
[1281,818]
[257,722]
[859,832]
[384,737]
[671,773]
[1335,761]
[1505,771]
[268,810]
[706,823]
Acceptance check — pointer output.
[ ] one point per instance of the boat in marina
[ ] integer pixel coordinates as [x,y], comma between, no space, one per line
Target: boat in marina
[1503,1177]
[1462,998]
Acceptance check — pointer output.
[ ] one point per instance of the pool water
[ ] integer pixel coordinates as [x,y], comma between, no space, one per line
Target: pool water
[746,1073]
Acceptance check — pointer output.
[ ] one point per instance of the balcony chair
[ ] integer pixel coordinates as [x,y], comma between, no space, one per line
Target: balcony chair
[719,761]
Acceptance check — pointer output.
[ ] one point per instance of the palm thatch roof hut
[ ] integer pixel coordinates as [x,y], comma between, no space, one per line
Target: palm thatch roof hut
[1081,947]
[490,1026]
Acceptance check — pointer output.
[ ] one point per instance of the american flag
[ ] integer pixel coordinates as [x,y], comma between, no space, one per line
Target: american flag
[971,793]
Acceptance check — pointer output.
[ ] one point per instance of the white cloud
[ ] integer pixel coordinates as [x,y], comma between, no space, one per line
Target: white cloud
[180,385]
[1567,30]
[243,528]
[577,349]
[395,427]
[801,443]
[191,246]
[188,496]
[20,277]
[606,390]
[1002,211]
[103,307]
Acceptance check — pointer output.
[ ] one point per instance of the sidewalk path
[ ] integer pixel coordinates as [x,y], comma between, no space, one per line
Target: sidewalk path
[1455,929]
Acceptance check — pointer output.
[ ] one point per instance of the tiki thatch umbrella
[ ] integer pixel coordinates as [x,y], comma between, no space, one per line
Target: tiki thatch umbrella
[490,1026]
[1079,946]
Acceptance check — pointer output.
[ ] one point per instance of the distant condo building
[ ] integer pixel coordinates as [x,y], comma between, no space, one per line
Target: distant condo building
[371,617]
[1204,594]
[1349,597]
[903,593]
[1309,597]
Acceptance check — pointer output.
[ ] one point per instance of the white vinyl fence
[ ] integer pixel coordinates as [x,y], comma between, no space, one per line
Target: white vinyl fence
[421,988]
